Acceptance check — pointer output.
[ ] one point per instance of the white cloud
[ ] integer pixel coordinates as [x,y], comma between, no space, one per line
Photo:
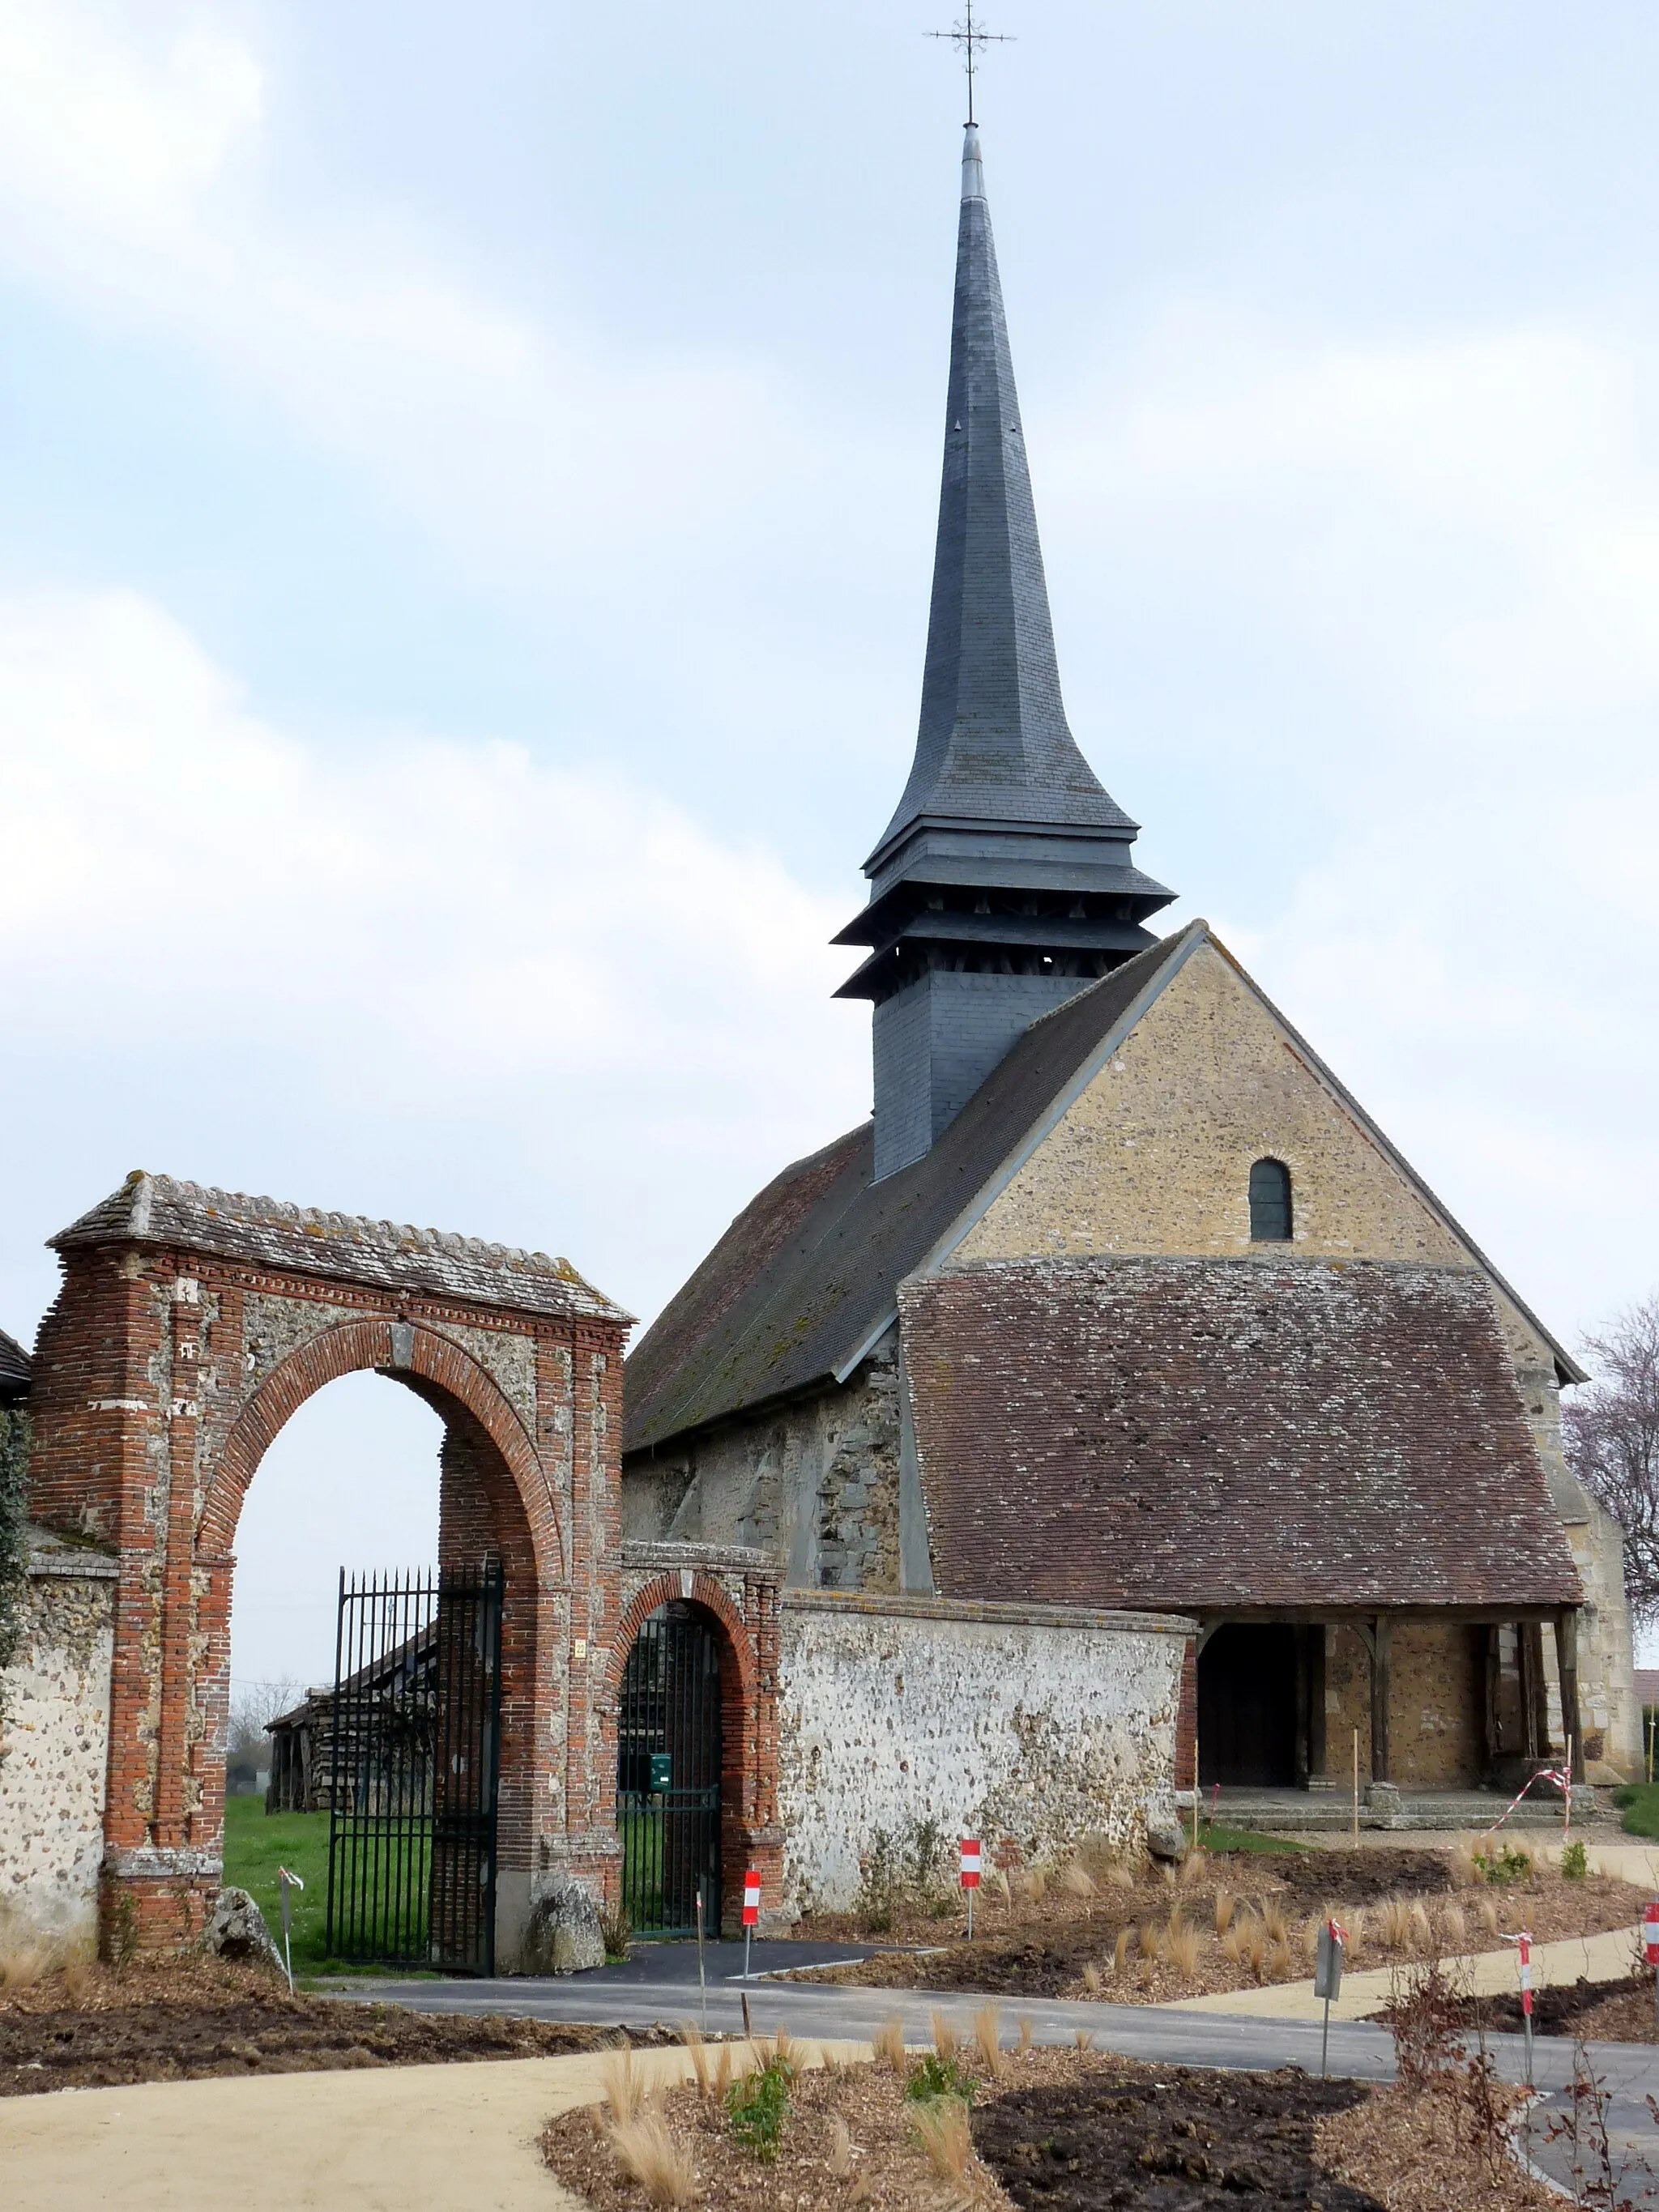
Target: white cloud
[132,183]
[1456,538]
[489,960]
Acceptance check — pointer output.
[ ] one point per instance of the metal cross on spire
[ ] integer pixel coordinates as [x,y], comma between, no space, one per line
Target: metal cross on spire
[968,35]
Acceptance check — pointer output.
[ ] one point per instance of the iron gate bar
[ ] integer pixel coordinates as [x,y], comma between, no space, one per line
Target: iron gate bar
[668,1774]
[415,1770]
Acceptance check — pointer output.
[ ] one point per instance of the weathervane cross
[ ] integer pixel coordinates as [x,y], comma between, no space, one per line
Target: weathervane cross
[968,35]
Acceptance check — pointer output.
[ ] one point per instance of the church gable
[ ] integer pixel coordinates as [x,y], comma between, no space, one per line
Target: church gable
[1155,1154]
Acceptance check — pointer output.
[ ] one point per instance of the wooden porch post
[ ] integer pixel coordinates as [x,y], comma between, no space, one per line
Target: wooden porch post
[1380,1629]
[1566,1661]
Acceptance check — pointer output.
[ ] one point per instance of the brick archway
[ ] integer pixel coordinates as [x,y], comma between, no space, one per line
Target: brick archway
[737,1593]
[438,1370]
[191,1325]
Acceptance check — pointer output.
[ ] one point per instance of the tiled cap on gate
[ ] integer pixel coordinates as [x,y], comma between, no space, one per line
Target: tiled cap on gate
[271,1232]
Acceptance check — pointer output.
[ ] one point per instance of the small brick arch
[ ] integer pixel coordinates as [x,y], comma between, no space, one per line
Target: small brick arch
[669,1589]
[748,1727]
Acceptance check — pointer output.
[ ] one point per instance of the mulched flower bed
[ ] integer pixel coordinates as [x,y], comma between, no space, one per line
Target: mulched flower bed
[1166,2141]
[1063,2131]
[174,2023]
[1063,1945]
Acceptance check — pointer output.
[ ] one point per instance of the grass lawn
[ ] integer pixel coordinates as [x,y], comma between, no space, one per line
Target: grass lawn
[256,1844]
[1639,1803]
[1216,1836]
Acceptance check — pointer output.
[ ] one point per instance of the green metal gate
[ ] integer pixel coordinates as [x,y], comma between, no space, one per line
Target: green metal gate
[416,1765]
[668,1775]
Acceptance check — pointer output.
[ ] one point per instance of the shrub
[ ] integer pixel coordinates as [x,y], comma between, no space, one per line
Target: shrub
[946,2137]
[932,2076]
[1575,1863]
[988,2037]
[1181,1944]
[650,2155]
[757,2105]
[1501,1864]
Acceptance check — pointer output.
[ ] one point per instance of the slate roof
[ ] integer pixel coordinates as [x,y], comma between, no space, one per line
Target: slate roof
[14,1369]
[269,1233]
[994,744]
[1177,1432]
[792,1292]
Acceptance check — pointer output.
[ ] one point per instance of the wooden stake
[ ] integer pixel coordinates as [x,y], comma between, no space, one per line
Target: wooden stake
[1195,1788]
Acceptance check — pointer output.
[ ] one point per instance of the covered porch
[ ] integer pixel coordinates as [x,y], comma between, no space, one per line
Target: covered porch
[1421,1699]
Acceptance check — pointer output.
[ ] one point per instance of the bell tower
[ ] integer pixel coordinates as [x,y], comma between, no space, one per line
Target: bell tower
[1005,883]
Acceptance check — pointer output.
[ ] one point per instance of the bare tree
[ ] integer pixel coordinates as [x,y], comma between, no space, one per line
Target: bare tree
[1610,1428]
[253,1706]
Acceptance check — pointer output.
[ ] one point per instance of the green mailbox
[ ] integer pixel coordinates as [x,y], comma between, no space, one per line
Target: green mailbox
[662,1771]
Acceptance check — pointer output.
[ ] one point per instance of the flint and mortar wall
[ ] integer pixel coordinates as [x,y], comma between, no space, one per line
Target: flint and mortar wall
[54,1746]
[814,1485]
[1030,1727]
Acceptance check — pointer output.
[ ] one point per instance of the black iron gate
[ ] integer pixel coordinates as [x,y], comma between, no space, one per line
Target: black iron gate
[415,1760]
[668,1775]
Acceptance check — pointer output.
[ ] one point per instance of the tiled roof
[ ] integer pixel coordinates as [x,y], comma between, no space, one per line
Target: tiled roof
[13,1369]
[269,1233]
[793,1290]
[1179,1433]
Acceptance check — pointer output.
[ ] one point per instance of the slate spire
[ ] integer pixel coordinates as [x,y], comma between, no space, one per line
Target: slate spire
[994,744]
[1004,883]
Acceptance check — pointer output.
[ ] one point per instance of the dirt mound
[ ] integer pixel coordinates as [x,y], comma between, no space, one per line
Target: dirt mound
[1363,1877]
[1175,2143]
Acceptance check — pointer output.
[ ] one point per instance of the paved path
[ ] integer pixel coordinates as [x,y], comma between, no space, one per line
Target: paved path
[1486,1973]
[428,2138]
[390,2139]
[1176,2034]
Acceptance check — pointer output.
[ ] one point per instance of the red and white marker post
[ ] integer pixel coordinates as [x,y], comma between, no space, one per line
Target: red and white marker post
[751,1913]
[1524,1940]
[969,1876]
[1650,1944]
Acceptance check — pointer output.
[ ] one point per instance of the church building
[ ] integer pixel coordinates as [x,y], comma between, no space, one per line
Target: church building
[1120,1300]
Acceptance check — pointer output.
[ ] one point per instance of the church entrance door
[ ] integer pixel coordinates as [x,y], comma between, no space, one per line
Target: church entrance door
[1247,1707]
[668,1774]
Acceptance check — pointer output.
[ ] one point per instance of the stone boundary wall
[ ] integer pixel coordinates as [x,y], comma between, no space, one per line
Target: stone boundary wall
[1030,1727]
[54,1746]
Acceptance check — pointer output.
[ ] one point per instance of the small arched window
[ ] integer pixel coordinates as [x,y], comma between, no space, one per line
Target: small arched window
[1270,1202]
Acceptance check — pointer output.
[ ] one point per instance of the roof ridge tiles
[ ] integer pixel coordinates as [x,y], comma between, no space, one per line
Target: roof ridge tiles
[163,1209]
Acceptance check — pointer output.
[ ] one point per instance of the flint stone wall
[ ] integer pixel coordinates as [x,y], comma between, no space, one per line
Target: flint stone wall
[1028,1727]
[54,1745]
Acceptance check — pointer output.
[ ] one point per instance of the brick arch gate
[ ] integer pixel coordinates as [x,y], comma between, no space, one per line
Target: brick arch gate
[736,1589]
[189,1325]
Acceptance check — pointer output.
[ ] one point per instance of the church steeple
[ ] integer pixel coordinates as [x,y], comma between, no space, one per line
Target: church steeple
[1003,881]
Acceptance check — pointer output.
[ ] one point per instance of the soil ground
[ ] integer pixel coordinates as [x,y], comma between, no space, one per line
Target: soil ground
[1248,1919]
[167,2022]
[1620,2011]
[1067,2131]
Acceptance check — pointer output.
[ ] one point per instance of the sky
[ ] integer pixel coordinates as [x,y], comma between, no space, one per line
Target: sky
[467,481]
